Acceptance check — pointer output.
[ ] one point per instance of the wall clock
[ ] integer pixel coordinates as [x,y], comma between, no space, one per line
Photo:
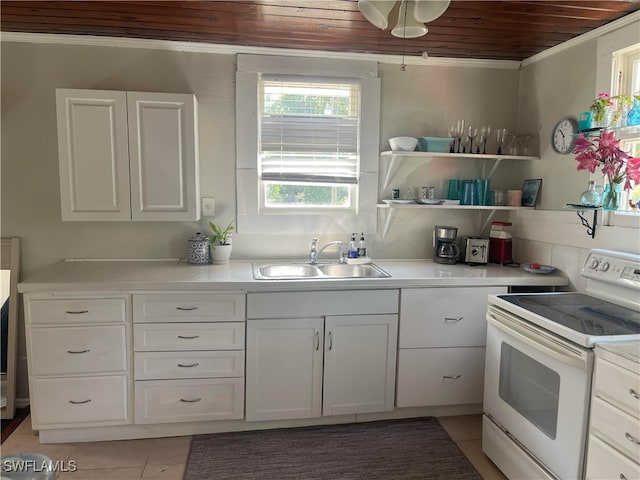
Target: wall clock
[563,136]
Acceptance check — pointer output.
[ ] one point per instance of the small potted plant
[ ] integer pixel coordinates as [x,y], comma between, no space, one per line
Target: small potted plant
[220,243]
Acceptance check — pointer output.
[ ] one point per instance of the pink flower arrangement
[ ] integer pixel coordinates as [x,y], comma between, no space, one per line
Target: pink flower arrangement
[600,105]
[603,152]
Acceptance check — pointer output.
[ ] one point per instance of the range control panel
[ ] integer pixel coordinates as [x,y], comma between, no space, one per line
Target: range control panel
[613,267]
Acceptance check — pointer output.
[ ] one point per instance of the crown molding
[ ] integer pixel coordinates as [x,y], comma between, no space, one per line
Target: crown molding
[200,47]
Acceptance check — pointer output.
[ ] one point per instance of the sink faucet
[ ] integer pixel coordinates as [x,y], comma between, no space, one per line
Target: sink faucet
[315,253]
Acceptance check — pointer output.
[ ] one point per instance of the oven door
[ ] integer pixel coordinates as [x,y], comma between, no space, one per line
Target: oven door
[537,389]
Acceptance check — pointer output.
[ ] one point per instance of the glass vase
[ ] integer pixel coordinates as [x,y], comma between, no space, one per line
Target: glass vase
[591,197]
[611,197]
[633,117]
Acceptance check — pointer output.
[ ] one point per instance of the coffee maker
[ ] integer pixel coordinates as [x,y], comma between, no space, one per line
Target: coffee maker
[444,241]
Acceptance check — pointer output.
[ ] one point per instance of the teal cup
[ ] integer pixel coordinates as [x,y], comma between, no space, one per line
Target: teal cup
[482,186]
[453,192]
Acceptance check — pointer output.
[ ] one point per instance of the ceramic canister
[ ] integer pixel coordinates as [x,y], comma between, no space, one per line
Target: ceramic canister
[198,249]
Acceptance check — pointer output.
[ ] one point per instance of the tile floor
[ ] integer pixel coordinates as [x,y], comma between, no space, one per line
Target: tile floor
[165,458]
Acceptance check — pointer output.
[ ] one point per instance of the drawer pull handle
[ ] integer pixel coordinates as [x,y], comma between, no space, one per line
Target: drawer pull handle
[188,338]
[76,312]
[190,401]
[186,309]
[452,319]
[634,394]
[78,351]
[330,341]
[631,438]
[81,402]
[452,377]
[188,366]
[317,341]
[623,477]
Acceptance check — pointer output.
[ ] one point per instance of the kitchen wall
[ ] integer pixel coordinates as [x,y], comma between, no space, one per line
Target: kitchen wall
[423,100]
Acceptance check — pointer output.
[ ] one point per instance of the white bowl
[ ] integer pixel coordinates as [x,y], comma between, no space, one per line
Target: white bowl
[405,144]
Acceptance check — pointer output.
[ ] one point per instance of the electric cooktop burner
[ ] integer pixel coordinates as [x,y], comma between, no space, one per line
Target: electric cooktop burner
[580,312]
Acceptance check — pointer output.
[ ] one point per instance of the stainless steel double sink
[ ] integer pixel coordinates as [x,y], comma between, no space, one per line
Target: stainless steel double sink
[301,271]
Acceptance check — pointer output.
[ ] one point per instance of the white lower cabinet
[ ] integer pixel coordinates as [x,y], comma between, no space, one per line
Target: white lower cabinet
[188,357]
[307,366]
[442,335]
[78,359]
[613,451]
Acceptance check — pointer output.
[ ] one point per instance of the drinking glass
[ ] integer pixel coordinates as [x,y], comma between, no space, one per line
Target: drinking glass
[472,133]
[484,135]
[501,133]
[459,132]
[482,187]
[453,193]
[469,193]
[452,134]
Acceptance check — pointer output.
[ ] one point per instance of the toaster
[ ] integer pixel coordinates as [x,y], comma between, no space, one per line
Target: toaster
[475,250]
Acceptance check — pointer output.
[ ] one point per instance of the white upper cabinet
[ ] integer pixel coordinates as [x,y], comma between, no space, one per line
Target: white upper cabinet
[128,155]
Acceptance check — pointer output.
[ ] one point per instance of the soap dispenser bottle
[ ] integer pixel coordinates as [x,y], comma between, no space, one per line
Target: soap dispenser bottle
[353,247]
[362,249]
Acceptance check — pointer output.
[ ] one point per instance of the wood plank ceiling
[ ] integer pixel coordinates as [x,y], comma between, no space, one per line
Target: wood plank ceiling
[500,30]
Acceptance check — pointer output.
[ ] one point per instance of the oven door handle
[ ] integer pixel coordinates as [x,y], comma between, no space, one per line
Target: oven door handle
[538,340]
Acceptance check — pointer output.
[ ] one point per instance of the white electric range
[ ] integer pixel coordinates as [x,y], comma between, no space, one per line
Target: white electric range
[539,363]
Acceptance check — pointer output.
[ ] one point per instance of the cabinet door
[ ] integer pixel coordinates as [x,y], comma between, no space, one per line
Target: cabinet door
[284,368]
[93,154]
[360,363]
[163,156]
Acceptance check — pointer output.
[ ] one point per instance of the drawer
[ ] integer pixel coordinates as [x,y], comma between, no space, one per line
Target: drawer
[167,365]
[444,317]
[618,386]
[188,336]
[166,401]
[81,401]
[78,350]
[440,376]
[200,307]
[76,310]
[603,462]
[616,428]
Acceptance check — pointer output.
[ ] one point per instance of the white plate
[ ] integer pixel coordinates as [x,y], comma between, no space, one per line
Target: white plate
[389,201]
[542,269]
[430,201]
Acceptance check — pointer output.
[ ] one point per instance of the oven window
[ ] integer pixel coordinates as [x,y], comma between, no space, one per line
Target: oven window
[531,388]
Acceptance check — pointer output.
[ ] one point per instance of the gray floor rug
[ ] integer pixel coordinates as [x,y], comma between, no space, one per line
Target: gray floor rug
[386,450]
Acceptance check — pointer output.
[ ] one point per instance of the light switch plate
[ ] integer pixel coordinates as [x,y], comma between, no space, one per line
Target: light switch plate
[208,207]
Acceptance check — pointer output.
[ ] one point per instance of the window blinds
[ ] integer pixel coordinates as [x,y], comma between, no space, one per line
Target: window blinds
[309,130]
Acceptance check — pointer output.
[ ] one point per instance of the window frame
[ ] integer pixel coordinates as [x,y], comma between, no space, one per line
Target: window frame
[251,219]
[606,81]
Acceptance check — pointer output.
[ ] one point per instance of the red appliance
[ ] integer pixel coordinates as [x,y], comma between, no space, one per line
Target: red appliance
[500,243]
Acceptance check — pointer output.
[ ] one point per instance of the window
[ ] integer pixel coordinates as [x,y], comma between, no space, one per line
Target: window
[618,71]
[309,155]
[307,145]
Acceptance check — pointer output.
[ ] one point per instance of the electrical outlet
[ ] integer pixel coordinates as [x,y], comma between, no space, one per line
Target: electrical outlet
[208,207]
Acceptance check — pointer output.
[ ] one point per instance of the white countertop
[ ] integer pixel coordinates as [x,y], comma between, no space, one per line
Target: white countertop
[173,274]
[624,354]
